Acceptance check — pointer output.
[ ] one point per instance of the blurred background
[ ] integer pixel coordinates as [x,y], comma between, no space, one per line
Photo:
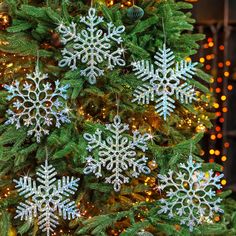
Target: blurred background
[217,20]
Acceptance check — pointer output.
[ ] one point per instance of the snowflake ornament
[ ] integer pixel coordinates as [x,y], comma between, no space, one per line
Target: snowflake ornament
[116,153]
[190,194]
[37,103]
[91,46]
[164,81]
[48,197]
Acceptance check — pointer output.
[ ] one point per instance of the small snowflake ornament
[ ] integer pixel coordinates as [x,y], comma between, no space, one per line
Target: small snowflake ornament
[117,153]
[37,103]
[91,46]
[190,194]
[46,198]
[161,83]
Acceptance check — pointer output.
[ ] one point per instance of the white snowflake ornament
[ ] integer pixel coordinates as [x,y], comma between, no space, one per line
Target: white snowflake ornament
[190,194]
[91,46]
[117,153]
[38,103]
[49,197]
[161,83]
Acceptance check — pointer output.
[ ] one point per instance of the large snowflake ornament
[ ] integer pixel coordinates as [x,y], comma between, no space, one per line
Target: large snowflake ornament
[190,194]
[164,81]
[37,104]
[91,46]
[49,197]
[117,153]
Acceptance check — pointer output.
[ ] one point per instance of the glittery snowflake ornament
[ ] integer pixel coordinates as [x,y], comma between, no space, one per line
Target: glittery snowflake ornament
[117,153]
[37,103]
[164,81]
[190,194]
[49,197]
[91,46]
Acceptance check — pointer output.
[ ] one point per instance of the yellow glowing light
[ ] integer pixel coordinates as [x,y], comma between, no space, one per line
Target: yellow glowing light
[211,151]
[224,109]
[188,59]
[223,182]
[223,158]
[227,63]
[226,74]
[216,105]
[217,152]
[213,137]
[212,80]
[211,44]
[223,98]
[202,59]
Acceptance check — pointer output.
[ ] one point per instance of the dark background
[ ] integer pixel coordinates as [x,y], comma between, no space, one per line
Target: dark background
[217,19]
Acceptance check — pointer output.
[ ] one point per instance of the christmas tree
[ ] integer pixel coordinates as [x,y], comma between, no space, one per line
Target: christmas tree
[102,112]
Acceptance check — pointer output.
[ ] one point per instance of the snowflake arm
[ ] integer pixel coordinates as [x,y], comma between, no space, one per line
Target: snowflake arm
[68,32]
[69,59]
[145,71]
[67,209]
[91,20]
[26,211]
[144,94]
[190,194]
[47,222]
[93,166]
[185,69]
[164,106]
[164,59]
[26,187]
[185,93]
[116,153]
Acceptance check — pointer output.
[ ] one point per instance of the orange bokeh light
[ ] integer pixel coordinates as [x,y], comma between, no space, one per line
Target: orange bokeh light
[230,87]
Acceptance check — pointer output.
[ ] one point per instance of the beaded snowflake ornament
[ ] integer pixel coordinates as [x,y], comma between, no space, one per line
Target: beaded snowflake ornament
[190,194]
[116,153]
[47,198]
[91,46]
[37,103]
[164,81]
